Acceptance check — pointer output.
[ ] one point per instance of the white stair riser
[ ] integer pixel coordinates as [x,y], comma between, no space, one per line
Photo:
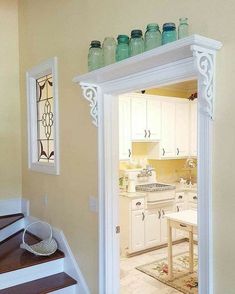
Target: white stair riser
[68,290]
[31,273]
[11,229]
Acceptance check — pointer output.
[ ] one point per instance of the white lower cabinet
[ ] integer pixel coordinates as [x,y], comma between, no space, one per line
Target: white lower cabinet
[164,235]
[137,230]
[152,227]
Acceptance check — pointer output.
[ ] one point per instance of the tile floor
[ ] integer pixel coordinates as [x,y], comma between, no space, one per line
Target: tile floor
[136,282]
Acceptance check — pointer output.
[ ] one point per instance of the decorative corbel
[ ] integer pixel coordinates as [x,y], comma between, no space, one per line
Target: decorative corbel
[205,65]
[90,92]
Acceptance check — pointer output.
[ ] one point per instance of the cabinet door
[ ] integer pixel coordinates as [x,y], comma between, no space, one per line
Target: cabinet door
[182,127]
[137,230]
[152,228]
[153,119]
[124,128]
[193,128]
[138,119]
[168,130]
[164,235]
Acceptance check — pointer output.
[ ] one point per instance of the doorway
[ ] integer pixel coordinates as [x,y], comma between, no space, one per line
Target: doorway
[157,177]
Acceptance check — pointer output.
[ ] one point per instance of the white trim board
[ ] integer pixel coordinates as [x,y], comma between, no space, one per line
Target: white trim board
[70,265]
[189,58]
[14,205]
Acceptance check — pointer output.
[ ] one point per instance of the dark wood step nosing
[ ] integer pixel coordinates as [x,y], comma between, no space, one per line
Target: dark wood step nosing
[19,215]
[43,285]
[57,255]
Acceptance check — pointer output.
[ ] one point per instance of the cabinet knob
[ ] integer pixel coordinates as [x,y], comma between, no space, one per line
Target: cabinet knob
[129,153]
[145,133]
[163,151]
[194,197]
[180,197]
[159,214]
[178,209]
[178,151]
[149,134]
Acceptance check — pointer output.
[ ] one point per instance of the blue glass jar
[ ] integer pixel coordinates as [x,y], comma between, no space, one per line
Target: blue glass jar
[152,37]
[169,33]
[122,51]
[136,45]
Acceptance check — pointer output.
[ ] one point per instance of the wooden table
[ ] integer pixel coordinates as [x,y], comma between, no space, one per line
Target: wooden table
[185,220]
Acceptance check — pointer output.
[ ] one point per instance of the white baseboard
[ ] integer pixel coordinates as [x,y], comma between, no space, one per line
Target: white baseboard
[70,265]
[14,205]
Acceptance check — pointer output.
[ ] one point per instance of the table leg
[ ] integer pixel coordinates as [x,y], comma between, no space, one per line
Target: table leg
[170,258]
[191,252]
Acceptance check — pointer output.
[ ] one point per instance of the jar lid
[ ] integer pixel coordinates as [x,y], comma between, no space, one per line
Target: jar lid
[136,33]
[95,44]
[151,26]
[169,26]
[123,38]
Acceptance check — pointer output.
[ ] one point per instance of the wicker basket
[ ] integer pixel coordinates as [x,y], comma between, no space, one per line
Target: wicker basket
[43,248]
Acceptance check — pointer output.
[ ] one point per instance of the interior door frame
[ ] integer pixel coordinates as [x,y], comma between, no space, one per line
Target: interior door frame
[201,67]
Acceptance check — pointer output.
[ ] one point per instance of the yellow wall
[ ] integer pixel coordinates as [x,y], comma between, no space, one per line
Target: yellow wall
[10,146]
[64,28]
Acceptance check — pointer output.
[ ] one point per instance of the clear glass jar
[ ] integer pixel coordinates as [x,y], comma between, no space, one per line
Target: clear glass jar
[109,50]
[95,56]
[183,28]
[136,45]
[152,37]
[169,33]
[122,51]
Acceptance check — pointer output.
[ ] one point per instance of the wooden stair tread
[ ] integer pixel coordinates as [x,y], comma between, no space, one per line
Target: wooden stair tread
[7,220]
[42,286]
[12,257]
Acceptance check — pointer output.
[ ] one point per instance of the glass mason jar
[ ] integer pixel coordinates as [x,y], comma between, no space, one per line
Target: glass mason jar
[95,56]
[183,28]
[152,37]
[136,45]
[169,33]
[122,51]
[109,50]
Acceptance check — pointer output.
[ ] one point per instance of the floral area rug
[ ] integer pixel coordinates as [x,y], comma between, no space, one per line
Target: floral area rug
[183,281]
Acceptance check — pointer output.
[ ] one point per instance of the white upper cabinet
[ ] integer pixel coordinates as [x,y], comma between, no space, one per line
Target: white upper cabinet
[153,118]
[182,127]
[124,128]
[146,118]
[193,128]
[168,130]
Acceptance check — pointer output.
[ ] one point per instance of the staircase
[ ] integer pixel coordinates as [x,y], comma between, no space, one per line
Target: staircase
[24,273]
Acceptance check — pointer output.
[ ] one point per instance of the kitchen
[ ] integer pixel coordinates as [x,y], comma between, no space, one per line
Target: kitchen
[157,178]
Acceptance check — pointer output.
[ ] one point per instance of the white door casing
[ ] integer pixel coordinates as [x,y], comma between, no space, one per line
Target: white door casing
[185,59]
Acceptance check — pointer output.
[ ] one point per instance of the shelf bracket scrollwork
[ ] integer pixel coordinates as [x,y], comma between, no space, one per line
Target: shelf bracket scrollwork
[90,93]
[205,65]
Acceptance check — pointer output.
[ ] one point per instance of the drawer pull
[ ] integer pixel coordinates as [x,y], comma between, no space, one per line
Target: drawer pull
[194,197]
[138,203]
[143,216]
[180,197]
[183,226]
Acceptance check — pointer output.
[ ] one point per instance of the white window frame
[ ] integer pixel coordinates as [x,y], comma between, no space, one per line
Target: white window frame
[47,67]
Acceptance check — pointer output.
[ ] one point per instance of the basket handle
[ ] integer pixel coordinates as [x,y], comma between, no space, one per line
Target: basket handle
[41,222]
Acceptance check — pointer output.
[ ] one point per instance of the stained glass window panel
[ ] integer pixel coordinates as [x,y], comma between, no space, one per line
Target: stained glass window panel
[45,119]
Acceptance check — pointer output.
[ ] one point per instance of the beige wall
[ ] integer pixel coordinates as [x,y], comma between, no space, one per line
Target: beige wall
[64,28]
[10,146]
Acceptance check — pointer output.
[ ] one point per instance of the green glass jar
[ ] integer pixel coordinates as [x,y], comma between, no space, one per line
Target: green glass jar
[152,37]
[183,28]
[136,45]
[95,56]
[122,51]
[169,33]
